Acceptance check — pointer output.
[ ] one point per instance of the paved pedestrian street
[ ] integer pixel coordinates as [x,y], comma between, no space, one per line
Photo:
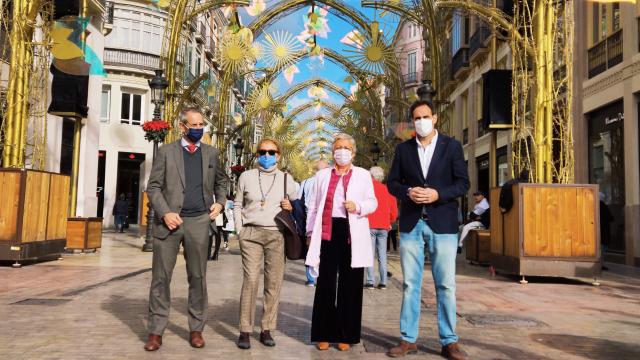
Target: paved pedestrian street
[94,306]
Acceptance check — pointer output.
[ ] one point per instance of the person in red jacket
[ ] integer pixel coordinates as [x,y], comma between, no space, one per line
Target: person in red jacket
[380,224]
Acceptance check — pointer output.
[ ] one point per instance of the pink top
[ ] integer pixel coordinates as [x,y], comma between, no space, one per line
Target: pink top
[334,206]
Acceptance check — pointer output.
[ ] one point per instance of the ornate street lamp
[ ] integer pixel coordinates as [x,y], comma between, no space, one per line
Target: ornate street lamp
[426,91]
[238,146]
[375,152]
[158,86]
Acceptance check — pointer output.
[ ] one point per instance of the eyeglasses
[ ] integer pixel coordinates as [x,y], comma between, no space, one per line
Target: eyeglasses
[423,118]
[270,152]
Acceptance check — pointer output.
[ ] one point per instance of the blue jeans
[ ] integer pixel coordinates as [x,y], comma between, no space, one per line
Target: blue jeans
[379,241]
[442,252]
[310,278]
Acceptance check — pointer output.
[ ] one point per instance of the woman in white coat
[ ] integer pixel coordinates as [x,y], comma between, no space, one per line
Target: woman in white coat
[340,246]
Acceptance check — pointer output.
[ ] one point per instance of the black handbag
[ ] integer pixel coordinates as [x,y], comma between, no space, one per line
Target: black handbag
[293,246]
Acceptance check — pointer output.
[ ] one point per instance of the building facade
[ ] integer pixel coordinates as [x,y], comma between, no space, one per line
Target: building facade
[607,74]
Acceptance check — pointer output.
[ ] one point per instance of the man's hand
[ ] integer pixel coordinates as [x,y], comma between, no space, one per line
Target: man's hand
[215,209]
[421,195]
[350,206]
[418,195]
[172,220]
[285,204]
[432,196]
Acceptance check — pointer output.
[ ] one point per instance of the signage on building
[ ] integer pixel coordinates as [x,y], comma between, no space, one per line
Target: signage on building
[610,120]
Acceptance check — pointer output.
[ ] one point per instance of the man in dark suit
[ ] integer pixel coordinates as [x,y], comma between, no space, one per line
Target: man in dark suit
[185,177]
[428,174]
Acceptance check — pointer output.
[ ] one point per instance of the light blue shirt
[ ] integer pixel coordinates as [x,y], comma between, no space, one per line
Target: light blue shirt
[426,154]
[306,188]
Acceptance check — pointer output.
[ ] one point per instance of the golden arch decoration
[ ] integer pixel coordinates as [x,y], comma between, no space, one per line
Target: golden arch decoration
[313,82]
[336,7]
[308,105]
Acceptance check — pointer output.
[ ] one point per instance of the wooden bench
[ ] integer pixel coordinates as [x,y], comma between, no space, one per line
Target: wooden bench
[478,244]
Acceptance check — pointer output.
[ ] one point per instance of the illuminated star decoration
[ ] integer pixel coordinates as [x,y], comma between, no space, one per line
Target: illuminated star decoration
[260,100]
[236,54]
[290,72]
[374,55]
[280,49]
[256,7]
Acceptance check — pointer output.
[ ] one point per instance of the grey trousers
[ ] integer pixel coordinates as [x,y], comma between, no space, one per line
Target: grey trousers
[194,236]
[256,243]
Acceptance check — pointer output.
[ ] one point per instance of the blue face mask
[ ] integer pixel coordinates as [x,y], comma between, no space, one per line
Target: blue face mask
[195,134]
[266,161]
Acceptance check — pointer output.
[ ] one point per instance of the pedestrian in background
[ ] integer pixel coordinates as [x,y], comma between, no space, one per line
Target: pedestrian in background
[305,194]
[380,223]
[120,212]
[477,219]
[259,198]
[340,246]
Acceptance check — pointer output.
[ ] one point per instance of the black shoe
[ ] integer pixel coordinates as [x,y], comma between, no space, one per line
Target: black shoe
[369,286]
[382,287]
[459,249]
[389,274]
[244,342]
[266,339]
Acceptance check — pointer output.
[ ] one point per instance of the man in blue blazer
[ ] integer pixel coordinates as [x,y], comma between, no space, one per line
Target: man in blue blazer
[428,174]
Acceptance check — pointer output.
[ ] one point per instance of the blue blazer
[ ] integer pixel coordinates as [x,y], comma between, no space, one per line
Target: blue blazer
[447,175]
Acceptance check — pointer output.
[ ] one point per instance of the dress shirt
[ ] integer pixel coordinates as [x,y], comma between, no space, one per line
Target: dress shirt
[426,153]
[185,144]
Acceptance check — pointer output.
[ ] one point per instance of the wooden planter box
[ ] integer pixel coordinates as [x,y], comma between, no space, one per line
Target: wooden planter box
[33,215]
[478,246]
[84,233]
[552,230]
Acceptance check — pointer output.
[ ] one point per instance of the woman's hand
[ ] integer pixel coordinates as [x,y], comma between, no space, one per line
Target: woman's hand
[350,206]
[286,205]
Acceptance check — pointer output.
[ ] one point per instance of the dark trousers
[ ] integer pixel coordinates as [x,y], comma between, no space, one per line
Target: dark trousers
[393,239]
[337,315]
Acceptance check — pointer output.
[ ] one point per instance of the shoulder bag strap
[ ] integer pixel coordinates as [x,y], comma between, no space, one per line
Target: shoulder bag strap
[285,185]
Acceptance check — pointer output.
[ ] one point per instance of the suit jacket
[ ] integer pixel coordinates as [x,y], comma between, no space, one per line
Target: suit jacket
[167,180]
[447,175]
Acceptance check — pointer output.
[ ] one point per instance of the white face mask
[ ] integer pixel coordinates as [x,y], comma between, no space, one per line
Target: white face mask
[424,126]
[342,156]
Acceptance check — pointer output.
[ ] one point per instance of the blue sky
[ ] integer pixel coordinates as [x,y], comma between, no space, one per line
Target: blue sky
[293,23]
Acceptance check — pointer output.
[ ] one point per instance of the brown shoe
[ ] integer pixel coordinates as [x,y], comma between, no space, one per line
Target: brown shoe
[403,349]
[196,339]
[453,352]
[322,345]
[244,341]
[266,339]
[154,342]
[343,347]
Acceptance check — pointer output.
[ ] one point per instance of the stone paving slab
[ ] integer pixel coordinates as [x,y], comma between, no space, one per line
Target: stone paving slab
[100,306]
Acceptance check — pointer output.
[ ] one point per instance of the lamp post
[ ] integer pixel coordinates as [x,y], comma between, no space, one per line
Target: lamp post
[375,153]
[158,85]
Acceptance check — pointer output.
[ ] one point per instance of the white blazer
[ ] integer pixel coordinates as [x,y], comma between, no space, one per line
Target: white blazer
[360,191]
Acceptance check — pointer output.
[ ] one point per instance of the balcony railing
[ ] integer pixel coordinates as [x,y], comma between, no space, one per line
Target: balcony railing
[460,60]
[605,54]
[108,14]
[478,39]
[131,58]
[411,78]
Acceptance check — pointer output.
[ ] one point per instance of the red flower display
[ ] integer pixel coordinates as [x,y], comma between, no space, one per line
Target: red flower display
[237,169]
[155,130]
